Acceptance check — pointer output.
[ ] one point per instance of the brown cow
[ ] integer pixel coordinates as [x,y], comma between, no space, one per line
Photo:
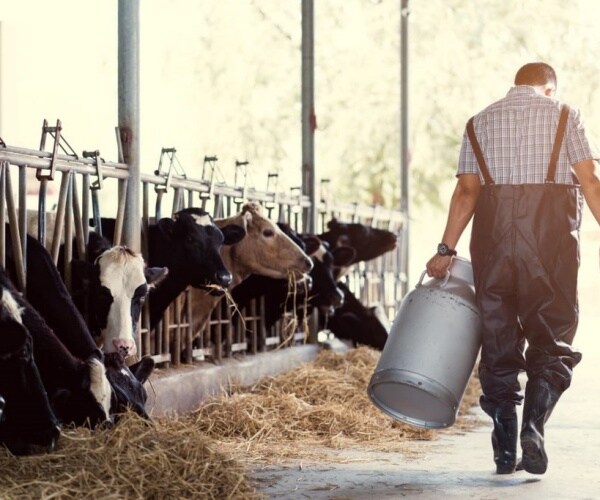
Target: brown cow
[266,250]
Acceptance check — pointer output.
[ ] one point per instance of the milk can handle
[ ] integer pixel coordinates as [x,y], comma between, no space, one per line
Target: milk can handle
[442,284]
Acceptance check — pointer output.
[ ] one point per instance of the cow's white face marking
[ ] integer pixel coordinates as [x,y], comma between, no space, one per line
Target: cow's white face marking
[100,386]
[10,304]
[202,220]
[320,253]
[122,273]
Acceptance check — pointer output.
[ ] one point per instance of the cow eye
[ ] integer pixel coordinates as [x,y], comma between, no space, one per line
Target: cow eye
[268,233]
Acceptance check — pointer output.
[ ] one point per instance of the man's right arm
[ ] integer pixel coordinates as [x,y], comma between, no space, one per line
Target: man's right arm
[590,185]
[462,208]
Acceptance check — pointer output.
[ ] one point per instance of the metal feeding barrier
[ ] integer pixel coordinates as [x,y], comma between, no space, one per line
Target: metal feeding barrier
[83,178]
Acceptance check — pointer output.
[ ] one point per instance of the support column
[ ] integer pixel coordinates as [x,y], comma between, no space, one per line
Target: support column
[309,122]
[404,149]
[129,115]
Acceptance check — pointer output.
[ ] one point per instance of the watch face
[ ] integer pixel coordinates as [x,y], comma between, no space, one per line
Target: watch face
[442,249]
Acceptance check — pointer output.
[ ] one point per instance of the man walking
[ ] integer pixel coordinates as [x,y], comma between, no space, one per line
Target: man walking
[524,162]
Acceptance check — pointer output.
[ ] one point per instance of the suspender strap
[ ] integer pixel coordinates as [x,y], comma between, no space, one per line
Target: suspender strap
[478,154]
[560,133]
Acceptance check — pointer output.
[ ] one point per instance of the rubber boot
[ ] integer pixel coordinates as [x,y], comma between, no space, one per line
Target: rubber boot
[540,400]
[504,435]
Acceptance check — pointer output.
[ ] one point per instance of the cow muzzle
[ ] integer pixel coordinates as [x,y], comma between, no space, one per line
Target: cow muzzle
[223,278]
[124,347]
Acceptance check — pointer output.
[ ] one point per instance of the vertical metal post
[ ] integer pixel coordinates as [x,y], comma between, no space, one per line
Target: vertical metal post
[309,124]
[129,115]
[404,150]
[309,121]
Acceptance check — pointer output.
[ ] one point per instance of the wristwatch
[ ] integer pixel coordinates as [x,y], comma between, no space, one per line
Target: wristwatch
[444,249]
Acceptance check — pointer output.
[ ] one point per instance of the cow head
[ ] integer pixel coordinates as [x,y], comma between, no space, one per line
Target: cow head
[310,245]
[128,384]
[368,242]
[26,418]
[196,243]
[87,402]
[115,283]
[325,293]
[359,324]
[118,285]
[266,249]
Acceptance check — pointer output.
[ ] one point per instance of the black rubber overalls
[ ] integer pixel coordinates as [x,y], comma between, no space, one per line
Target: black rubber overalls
[525,256]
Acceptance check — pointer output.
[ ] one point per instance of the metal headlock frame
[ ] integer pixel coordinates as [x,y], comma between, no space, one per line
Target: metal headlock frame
[224,197]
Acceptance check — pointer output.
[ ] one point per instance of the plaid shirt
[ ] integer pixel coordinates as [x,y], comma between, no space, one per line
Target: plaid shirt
[516,135]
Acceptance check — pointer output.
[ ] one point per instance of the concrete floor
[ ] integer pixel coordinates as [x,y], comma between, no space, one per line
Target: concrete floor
[461,466]
[454,466]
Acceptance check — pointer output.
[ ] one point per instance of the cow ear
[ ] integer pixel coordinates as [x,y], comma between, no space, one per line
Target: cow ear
[142,369]
[155,275]
[97,245]
[312,244]
[343,256]
[233,234]
[332,223]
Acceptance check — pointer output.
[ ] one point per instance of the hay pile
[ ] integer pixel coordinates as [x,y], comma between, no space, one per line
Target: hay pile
[322,404]
[300,414]
[134,460]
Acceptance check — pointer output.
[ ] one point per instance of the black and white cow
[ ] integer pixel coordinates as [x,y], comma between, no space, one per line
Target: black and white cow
[110,289]
[78,390]
[128,383]
[189,246]
[26,418]
[86,375]
[359,324]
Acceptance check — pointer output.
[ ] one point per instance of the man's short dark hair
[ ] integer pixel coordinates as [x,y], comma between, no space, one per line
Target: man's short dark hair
[536,74]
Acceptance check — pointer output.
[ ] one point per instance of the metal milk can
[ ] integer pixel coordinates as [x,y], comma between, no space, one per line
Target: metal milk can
[430,352]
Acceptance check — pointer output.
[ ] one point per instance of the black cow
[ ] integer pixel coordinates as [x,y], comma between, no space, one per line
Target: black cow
[368,242]
[357,323]
[188,245]
[26,418]
[78,390]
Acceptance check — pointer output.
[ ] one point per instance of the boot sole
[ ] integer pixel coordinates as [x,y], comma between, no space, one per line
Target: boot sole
[535,460]
[505,469]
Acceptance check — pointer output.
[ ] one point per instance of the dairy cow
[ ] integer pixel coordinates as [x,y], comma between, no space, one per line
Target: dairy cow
[368,242]
[55,315]
[359,324]
[189,246]
[26,419]
[128,382]
[110,289]
[78,390]
[323,292]
[265,250]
